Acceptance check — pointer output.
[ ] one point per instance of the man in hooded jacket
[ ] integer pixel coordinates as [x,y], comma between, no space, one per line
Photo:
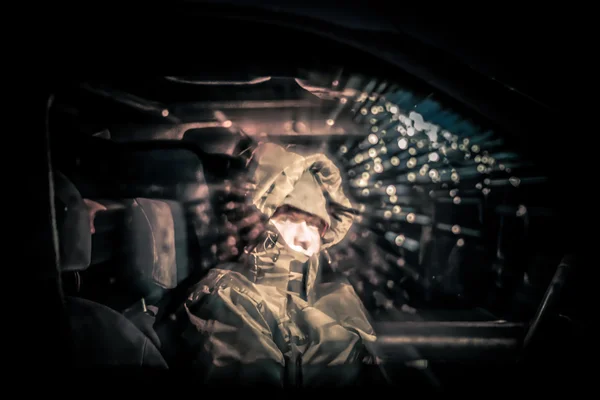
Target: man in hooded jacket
[266,320]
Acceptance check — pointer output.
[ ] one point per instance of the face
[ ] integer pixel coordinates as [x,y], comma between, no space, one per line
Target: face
[93,207]
[301,231]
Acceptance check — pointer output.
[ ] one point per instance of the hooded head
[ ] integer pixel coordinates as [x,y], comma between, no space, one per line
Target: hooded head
[303,197]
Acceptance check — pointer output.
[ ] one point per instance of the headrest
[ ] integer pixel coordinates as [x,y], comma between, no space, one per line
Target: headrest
[212,140]
[155,239]
[156,169]
[73,224]
[107,241]
[162,173]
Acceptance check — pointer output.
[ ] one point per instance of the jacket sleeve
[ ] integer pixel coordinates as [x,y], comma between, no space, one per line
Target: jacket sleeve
[227,333]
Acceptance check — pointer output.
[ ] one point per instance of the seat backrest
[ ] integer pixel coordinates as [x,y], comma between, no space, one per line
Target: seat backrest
[104,337]
[101,336]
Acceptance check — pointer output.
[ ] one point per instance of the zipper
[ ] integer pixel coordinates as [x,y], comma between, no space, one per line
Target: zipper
[298,369]
[293,364]
[293,368]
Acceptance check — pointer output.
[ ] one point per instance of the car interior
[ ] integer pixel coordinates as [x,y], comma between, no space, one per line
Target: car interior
[461,249]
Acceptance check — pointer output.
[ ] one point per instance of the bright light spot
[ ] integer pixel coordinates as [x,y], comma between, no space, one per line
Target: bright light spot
[399,240]
[372,138]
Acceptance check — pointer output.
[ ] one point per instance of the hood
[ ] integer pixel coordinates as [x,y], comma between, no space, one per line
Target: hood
[276,172]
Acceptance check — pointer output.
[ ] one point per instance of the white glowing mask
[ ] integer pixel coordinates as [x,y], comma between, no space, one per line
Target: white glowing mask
[299,236]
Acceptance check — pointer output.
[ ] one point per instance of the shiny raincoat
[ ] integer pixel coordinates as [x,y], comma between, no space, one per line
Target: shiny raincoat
[267,320]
